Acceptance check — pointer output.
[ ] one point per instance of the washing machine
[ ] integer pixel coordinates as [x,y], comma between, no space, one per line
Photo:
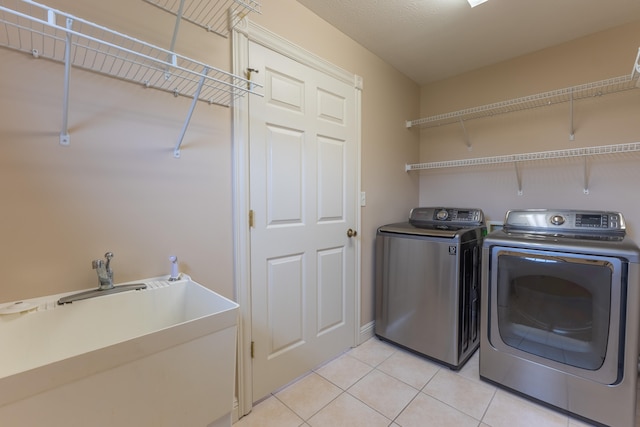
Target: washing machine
[560,312]
[427,283]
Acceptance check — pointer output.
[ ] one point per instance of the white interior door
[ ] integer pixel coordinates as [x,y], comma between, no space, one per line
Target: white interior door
[303,166]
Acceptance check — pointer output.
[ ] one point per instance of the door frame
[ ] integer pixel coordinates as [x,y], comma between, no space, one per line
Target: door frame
[244,32]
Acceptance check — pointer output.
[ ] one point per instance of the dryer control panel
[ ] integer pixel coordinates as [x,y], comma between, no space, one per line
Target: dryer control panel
[552,221]
[454,216]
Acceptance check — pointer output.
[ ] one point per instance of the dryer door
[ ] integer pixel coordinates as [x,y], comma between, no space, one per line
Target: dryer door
[562,310]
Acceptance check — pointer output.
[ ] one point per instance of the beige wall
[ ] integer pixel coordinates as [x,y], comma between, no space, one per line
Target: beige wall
[117,186]
[611,119]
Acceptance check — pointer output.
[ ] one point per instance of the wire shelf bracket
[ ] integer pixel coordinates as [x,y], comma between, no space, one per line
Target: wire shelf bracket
[518,177]
[466,135]
[585,189]
[48,33]
[64,133]
[636,68]
[176,150]
[572,132]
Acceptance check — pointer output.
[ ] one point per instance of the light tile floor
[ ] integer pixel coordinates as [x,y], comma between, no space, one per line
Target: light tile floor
[379,385]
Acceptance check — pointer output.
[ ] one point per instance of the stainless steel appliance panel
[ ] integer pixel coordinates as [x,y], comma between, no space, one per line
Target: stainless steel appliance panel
[417,307]
[427,292]
[558,309]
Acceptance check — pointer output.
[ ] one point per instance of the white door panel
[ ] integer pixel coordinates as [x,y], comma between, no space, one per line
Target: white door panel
[284,176]
[331,180]
[303,194]
[331,107]
[285,299]
[331,290]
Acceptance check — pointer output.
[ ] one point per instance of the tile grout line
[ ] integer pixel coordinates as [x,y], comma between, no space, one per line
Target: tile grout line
[393,421]
[306,420]
[371,407]
[484,414]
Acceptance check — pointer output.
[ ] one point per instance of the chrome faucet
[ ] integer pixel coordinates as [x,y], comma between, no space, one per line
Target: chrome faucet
[105,276]
[105,273]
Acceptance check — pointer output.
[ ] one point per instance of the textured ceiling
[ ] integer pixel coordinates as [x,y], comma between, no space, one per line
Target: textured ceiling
[429,40]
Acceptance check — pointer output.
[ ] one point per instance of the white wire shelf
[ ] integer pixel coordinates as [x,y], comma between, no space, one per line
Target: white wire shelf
[48,33]
[603,87]
[211,15]
[543,155]
[42,31]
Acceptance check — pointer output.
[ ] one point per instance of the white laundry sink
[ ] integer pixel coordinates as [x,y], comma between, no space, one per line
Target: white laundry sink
[162,356]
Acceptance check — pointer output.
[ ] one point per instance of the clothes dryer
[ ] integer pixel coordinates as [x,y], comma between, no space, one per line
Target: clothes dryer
[560,312]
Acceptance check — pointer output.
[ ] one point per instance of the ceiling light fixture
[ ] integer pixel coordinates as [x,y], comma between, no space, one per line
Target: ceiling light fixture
[474,3]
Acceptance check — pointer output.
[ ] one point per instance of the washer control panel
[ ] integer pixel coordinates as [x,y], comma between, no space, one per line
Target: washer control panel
[437,215]
[550,221]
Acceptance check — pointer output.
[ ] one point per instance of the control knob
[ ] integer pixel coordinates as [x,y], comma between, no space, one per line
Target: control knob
[557,220]
[442,215]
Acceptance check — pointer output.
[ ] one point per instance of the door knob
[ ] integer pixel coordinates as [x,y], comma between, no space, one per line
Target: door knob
[351,233]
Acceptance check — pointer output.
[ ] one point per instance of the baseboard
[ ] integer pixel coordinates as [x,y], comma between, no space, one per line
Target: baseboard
[235,412]
[223,421]
[366,332]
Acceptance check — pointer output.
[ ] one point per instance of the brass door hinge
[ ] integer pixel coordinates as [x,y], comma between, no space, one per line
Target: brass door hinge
[252,343]
[251,218]
[248,75]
